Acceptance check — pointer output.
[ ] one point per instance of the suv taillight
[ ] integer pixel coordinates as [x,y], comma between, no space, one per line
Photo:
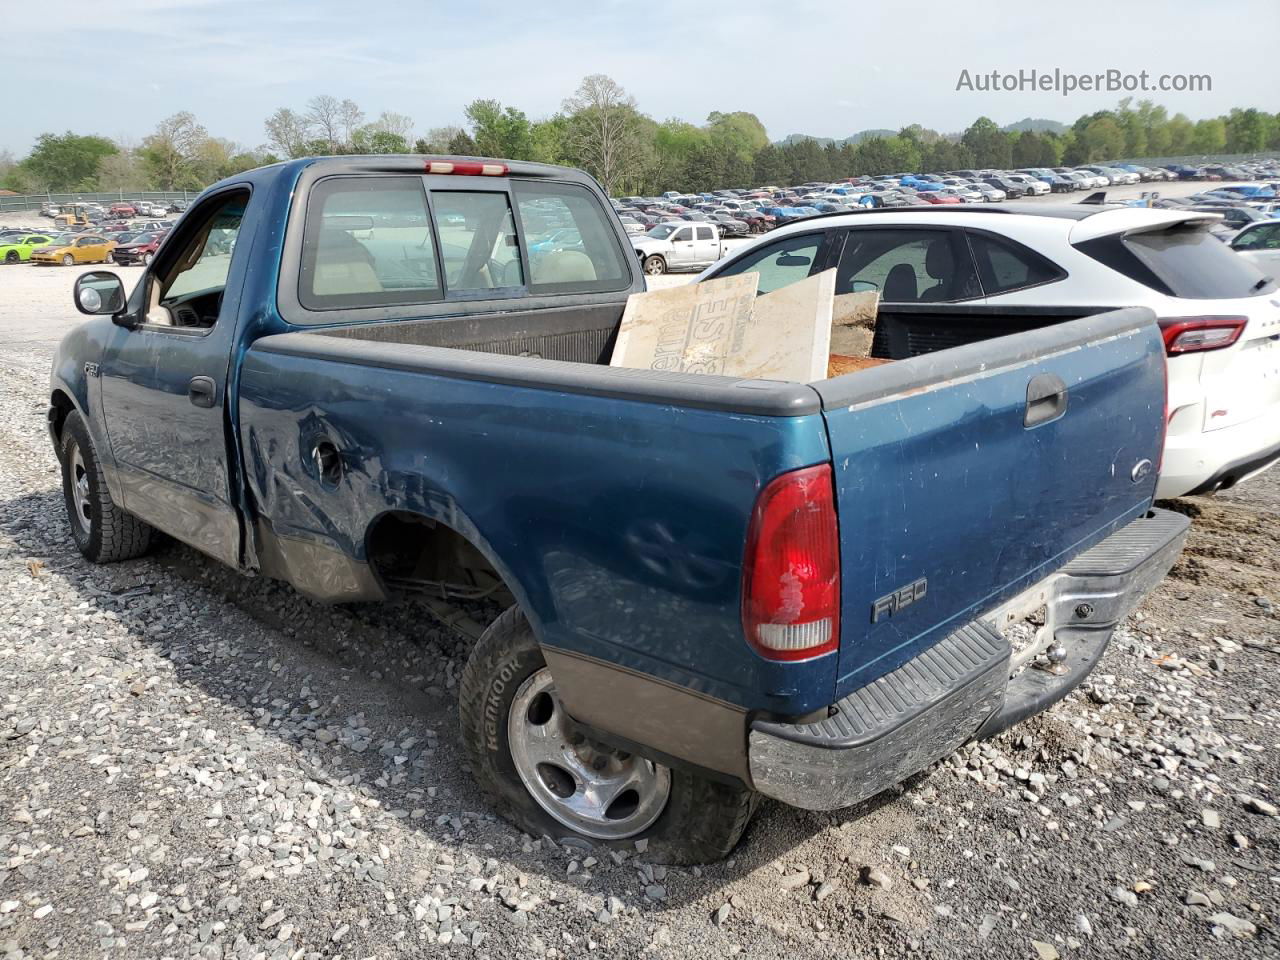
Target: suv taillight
[791,570]
[1196,334]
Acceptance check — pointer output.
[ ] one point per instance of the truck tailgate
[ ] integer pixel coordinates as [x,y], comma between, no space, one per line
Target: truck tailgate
[964,476]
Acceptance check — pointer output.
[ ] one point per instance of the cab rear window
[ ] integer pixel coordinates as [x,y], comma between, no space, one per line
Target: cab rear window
[571,246]
[384,241]
[367,242]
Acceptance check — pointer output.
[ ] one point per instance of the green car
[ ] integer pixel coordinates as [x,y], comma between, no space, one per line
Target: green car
[16,251]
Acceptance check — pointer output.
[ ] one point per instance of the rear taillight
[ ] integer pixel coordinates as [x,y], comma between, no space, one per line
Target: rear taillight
[791,570]
[1164,421]
[1196,334]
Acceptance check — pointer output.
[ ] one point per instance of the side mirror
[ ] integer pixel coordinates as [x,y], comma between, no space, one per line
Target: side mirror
[99,293]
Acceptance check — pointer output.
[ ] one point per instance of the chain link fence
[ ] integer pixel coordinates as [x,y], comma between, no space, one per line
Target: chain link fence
[31,202]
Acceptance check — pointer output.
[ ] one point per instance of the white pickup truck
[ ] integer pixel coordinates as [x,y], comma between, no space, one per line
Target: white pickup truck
[682,246]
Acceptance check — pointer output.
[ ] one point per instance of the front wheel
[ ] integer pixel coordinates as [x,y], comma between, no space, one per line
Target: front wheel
[554,778]
[655,266]
[12,257]
[68,260]
[102,531]
[147,258]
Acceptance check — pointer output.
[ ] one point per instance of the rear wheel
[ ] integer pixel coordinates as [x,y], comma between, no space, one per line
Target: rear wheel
[655,266]
[12,257]
[147,258]
[555,779]
[110,258]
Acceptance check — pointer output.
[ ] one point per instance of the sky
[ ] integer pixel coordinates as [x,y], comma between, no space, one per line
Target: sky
[826,69]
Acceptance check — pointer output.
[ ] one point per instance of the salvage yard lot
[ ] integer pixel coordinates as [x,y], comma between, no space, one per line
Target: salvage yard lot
[194,763]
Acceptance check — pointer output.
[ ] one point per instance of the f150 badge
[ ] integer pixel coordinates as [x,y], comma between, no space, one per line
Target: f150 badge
[892,603]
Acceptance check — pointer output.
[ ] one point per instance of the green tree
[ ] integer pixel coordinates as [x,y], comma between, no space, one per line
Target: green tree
[371,139]
[875,157]
[498,131]
[461,145]
[1248,131]
[770,167]
[675,142]
[288,132]
[989,145]
[1210,136]
[604,134]
[1102,139]
[67,162]
[547,139]
[436,140]
[1027,150]
[1181,131]
[739,136]
[177,155]
[1155,121]
[806,161]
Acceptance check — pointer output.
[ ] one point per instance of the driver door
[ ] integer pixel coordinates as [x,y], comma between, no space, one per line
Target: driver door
[164,380]
[682,247]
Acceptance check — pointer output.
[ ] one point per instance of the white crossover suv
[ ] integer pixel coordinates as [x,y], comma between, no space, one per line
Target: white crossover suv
[937,267]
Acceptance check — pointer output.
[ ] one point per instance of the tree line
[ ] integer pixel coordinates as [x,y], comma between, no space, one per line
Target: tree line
[602,129]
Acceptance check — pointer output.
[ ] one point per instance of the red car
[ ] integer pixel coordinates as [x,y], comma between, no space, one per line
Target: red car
[929,197]
[141,249]
[121,210]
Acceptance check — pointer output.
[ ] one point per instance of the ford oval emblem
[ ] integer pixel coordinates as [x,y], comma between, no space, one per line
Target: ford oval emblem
[1141,470]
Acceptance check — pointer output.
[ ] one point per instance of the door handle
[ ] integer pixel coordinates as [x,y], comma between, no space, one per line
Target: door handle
[202,391]
[1046,399]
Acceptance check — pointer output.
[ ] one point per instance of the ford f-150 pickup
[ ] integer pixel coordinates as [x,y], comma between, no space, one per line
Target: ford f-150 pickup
[363,376]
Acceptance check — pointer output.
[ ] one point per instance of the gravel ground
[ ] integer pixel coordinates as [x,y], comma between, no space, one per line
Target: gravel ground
[198,764]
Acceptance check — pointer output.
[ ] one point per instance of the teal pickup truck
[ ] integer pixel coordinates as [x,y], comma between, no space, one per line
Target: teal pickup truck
[354,374]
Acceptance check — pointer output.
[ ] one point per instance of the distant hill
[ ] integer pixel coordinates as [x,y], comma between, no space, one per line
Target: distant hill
[868,134]
[1035,125]
[825,141]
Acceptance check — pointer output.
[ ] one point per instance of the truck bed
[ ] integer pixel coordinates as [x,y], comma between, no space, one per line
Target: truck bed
[586,334]
[623,538]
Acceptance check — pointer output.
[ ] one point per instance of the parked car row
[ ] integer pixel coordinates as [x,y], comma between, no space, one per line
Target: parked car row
[123,208]
[127,246]
[738,212]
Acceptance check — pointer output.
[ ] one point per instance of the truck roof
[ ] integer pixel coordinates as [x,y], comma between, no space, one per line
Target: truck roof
[414,163]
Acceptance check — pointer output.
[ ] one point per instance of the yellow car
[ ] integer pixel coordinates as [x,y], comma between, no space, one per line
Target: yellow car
[72,248]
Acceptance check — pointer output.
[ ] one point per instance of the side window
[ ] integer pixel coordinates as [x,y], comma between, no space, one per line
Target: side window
[572,246]
[1004,266]
[367,243]
[684,235]
[907,266]
[1266,237]
[704,233]
[204,254]
[87,241]
[477,240]
[779,264]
